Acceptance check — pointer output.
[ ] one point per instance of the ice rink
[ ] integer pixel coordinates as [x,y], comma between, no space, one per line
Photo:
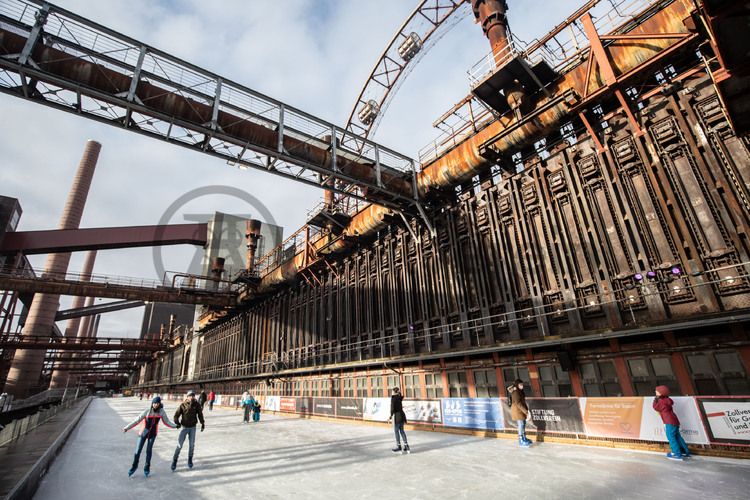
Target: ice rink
[282,457]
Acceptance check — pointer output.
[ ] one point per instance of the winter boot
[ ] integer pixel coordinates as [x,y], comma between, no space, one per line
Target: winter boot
[397,449]
[174,465]
[407,449]
[190,463]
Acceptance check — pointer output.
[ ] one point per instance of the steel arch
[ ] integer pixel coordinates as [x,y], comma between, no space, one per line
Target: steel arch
[425,22]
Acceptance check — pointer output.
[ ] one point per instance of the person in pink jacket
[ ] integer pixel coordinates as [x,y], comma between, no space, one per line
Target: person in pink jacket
[150,418]
[663,404]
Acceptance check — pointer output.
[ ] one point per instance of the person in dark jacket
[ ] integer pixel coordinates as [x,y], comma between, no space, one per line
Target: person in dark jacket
[187,415]
[519,411]
[256,411]
[663,404]
[151,418]
[399,419]
[202,398]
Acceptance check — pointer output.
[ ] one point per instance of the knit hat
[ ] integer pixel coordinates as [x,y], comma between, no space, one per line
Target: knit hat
[663,390]
[156,399]
[190,393]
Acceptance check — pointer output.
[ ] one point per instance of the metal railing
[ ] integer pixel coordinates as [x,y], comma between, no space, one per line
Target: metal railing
[22,426]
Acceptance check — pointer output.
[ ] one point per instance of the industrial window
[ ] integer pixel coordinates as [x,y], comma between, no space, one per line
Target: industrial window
[411,386]
[376,386]
[485,383]
[434,385]
[314,388]
[305,387]
[361,387]
[554,381]
[325,388]
[600,379]
[457,385]
[647,373]
[516,372]
[336,387]
[718,373]
[297,388]
[348,388]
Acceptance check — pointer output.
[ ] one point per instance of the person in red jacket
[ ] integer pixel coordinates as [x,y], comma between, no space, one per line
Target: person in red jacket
[663,404]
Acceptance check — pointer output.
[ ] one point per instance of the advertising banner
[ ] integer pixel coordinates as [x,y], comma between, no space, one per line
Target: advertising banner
[304,405]
[377,409]
[612,417]
[421,410]
[288,404]
[324,406]
[272,403]
[473,413]
[691,426]
[349,407]
[562,415]
[727,419]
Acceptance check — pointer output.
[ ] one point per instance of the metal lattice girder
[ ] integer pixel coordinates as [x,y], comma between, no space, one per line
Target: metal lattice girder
[426,24]
[18,341]
[57,58]
[97,309]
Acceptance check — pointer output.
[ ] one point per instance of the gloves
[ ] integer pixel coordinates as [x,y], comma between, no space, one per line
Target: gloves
[178,425]
[203,426]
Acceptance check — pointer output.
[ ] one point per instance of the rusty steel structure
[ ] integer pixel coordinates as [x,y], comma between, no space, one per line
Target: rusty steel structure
[580,223]
[596,204]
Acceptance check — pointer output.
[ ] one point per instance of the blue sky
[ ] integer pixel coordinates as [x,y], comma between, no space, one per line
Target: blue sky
[314,55]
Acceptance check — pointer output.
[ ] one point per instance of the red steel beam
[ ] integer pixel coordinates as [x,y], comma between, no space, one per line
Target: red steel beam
[104,238]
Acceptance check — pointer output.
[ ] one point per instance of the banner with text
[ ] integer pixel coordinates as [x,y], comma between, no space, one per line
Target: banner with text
[562,415]
[473,413]
[288,404]
[349,407]
[727,419]
[324,406]
[304,405]
[691,426]
[612,417]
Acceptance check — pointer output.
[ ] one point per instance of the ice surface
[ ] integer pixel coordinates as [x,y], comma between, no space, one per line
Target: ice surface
[283,457]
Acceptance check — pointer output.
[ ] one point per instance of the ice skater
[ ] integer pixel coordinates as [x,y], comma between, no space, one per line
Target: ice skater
[211,399]
[151,417]
[256,411]
[399,419]
[519,411]
[202,398]
[247,405]
[187,415]
[663,404]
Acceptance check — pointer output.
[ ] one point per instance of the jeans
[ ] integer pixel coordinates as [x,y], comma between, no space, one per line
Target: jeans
[678,445]
[246,416]
[521,429]
[139,447]
[210,405]
[398,429]
[190,433]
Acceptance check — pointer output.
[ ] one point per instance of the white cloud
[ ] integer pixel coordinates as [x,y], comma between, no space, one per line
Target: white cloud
[310,54]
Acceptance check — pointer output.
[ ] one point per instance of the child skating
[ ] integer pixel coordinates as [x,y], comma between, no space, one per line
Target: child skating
[663,404]
[256,411]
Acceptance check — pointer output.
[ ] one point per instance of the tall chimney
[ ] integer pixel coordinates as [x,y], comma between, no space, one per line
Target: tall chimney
[491,15]
[59,376]
[26,368]
[252,234]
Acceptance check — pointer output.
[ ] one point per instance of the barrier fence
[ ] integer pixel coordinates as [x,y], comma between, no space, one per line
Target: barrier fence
[704,420]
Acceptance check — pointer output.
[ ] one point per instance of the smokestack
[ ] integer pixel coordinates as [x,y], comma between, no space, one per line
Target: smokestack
[59,376]
[26,368]
[252,234]
[491,15]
